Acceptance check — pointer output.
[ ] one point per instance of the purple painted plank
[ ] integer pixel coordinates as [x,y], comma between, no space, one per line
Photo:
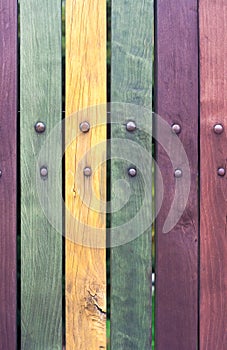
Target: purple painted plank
[177,102]
[8,116]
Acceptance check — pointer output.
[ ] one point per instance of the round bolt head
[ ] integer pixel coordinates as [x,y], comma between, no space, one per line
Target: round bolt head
[84,127]
[131,126]
[176,128]
[132,172]
[87,171]
[40,127]
[178,173]
[0,173]
[44,171]
[221,171]
[218,128]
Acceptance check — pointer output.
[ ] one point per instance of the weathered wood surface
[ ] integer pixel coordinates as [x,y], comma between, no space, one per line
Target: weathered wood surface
[41,244]
[131,83]
[177,102]
[8,185]
[213,110]
[85,249]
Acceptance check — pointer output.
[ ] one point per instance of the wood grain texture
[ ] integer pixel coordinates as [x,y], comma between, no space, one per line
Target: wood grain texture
[8,185]
[131,83]
[85,249]
[41,244]
[177,102]
[213,109]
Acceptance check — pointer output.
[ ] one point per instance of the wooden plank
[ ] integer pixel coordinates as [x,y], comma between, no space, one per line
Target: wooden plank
[41,243]
[177,102]
[131,90]
[213,150]
[8,185]
[85,249]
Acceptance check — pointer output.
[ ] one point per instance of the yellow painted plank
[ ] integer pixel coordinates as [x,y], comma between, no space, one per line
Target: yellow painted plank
[85,196]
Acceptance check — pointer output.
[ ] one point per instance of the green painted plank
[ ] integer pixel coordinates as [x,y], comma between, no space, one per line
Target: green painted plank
[41,243]
[131,83]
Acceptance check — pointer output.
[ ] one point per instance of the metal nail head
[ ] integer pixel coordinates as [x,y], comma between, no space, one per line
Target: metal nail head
[221,171]
[131,126]
[87,171]
[84,127]
[40,127]
[44,171]
[218,128]
[132,172]
[176,128]
[178,173]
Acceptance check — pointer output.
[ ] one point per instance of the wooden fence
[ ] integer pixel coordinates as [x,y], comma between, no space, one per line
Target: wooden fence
[55,181]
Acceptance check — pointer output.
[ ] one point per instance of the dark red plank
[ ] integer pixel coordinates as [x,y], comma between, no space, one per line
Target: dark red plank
[213,229]
[177,102]
[8,116]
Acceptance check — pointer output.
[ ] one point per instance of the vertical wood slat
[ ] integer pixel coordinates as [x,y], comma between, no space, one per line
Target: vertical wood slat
[177,102]
[8,185]
[85,90]
[41,244]
[131,83]
[213,110]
